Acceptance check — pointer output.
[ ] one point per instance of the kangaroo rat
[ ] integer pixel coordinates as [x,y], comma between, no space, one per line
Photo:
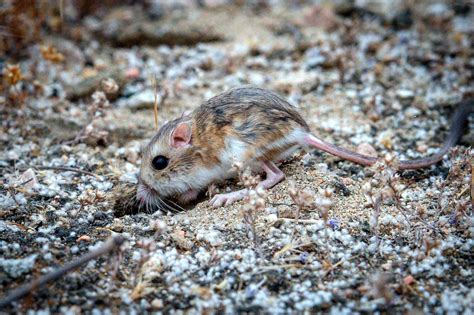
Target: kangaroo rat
[249,125]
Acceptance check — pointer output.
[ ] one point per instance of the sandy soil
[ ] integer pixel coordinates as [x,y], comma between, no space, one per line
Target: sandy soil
[319,241]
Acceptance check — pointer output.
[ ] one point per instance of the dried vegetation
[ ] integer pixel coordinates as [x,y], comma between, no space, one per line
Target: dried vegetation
[382,78]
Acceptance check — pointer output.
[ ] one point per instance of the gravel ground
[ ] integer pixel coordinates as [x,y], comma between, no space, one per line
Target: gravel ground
[379,78]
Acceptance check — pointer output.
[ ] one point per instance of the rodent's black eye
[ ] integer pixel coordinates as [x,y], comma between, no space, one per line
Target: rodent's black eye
[159,162]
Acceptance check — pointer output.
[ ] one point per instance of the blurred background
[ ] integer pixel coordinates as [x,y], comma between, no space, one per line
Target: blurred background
[79,82]
[380,58]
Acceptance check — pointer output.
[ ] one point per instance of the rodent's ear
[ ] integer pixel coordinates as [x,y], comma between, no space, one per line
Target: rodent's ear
[181,135]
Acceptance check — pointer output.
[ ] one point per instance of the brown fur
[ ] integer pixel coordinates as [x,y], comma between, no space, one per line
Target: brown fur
[252,115]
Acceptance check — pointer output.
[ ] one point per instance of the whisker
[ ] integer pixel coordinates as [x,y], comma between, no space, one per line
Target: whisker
[178,207]
[168,207]
[150,208]
[165,206]
[150,201]
[149,204]
[142,202]
[160,206]
[156,202]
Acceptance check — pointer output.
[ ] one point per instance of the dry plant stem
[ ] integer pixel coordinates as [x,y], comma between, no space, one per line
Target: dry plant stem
[147,247]
[13,193]
[404,210]
[276,204]
[280,220]
[80,136]
[109,246]
[61,10]
[452,175]
[378,210]
[66,169]
[413,291]
[114,266]
[340,262]
[472,183]
[249,218]
[144,257]
[24,183]
[13,190]
[275,267]
[250,183]
[164,96]
[297,219]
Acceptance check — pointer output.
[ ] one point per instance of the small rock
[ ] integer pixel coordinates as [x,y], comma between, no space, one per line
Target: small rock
[181,241]
[404,19]
[385,9]
[109,86]
[412,112]
[366,149]
[313,57]
[16,267]
[130,177]
[408,280]
[405,94]
[117,226]
[5,226]
[90,83]
[347,180]
[28,179]
[83,238]
[422,147]
[13,155]
[213,237]
[272,217]
[387,53]
[438,10]
[157,304]
[131,155]
[351,93]
[132,73]
[341,188]
[322,17]
[385,139]
[129,167]
[256,79]
[141,100]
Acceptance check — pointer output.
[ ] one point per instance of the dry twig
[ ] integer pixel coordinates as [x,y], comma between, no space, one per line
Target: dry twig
[109,246]
[302,221]
[66,169]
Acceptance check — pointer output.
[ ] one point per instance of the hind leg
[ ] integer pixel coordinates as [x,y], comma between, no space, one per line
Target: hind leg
[274,176]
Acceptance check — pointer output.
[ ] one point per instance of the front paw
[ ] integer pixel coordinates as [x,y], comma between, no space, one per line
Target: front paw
[220,200]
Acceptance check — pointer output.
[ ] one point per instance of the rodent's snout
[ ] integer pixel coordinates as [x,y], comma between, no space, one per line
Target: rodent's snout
[144,193]
[141,193]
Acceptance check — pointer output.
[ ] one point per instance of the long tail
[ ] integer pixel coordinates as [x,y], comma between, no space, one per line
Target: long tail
[340,152]
[458,121]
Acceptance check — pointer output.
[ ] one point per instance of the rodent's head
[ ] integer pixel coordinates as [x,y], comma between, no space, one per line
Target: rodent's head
[166,163]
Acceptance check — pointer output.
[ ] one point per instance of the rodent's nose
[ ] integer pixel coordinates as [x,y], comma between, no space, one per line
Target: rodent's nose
[142,192]
[141,196]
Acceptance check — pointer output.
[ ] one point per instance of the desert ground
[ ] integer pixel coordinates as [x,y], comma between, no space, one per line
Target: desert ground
[79,88]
